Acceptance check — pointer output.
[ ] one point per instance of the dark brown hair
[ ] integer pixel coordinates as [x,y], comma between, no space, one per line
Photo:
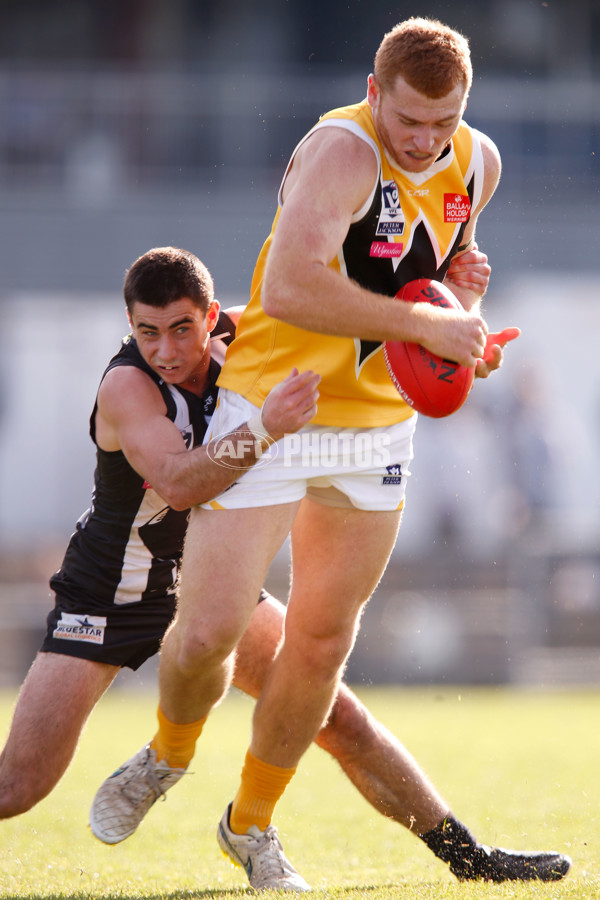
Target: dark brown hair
[165,274]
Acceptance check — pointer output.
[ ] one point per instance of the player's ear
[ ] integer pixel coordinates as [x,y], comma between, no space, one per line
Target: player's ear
[372,90]
[212,315]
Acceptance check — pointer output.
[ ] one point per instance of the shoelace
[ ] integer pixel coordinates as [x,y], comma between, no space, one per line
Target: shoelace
[143,781]
[270,859]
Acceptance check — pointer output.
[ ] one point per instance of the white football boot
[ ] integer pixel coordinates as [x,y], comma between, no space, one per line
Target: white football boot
[123,800]
[260,853]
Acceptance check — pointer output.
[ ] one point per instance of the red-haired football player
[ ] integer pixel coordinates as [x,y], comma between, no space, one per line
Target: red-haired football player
[376,194]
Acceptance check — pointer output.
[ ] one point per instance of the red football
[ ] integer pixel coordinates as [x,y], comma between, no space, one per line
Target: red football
[433,386]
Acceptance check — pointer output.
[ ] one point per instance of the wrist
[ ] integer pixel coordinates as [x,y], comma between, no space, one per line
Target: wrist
[464,247]
[412,322]
[256,426]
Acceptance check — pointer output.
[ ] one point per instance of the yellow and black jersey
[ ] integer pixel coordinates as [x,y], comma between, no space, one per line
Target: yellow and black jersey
[410,227]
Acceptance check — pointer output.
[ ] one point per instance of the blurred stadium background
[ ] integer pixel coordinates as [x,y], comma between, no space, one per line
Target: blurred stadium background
[126,124]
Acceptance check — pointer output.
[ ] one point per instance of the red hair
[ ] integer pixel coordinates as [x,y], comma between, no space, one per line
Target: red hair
[431,57]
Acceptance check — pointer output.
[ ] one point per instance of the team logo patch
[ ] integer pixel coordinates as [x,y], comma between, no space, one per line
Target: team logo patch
[391,218]
[394,475]
[386,249]
[457,208]
[187,434]
[89,629]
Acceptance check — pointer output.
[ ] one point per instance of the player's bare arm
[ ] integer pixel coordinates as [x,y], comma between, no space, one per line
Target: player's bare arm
[470,270]
[469,273]
[335,175]
[234,313]
[132,417]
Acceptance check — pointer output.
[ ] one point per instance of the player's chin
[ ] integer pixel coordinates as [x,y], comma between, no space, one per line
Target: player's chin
[417,166]
[174,375]
[416,162]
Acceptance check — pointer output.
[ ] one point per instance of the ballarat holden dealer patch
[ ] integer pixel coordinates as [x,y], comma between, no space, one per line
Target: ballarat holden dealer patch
[457,208]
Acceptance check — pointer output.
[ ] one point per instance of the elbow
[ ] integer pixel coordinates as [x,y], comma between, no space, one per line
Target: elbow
[178,498]
[182,480]
[180,504]
[183,498]
[278,290]
[272,300]
[286,286]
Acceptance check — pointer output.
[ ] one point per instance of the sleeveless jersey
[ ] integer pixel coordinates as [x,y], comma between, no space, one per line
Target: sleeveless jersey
[127,546]
[410,227]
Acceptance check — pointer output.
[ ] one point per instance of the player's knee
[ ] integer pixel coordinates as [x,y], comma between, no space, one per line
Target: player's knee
[19,796]
[15,806]
[323,655]
[198,649]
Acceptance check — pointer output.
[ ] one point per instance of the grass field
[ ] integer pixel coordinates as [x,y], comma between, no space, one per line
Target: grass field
[521,768]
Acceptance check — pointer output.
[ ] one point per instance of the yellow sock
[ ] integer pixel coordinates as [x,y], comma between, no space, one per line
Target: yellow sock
[175,744]
[262,786]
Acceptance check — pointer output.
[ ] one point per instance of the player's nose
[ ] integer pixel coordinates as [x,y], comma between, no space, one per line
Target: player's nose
[424,139]
[166,350]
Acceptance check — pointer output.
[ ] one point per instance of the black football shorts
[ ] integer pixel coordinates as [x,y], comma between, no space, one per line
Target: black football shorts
[125,635]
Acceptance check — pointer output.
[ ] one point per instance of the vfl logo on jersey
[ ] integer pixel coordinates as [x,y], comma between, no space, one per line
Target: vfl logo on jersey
[89,629]
[457,208]
[391,218]
[394,475]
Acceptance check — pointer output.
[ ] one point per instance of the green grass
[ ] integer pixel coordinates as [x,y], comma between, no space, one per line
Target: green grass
[519,767]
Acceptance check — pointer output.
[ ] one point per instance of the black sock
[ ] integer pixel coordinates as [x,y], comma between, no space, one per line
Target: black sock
[453,843]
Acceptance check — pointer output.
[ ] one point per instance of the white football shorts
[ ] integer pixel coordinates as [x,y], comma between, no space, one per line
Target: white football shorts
[362,467]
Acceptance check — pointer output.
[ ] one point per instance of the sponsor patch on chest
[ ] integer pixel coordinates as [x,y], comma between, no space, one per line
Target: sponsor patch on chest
[386,249]
[457,208]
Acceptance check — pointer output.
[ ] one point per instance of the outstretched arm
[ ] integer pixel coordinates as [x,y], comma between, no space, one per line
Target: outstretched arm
[131,405]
